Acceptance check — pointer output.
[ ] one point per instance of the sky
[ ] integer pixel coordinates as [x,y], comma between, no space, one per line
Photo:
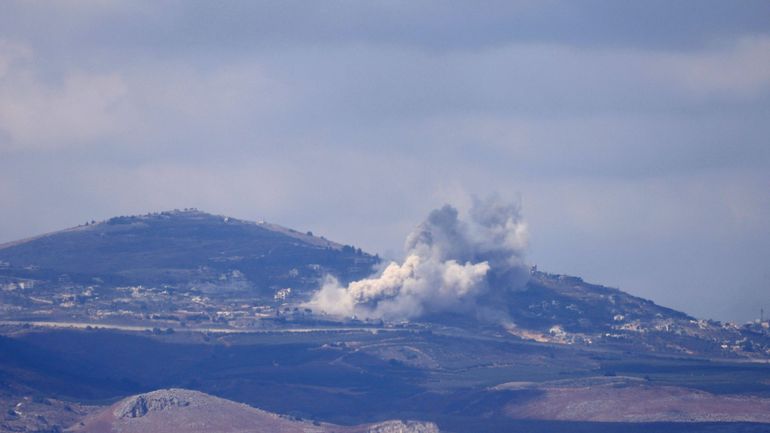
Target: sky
[633,134]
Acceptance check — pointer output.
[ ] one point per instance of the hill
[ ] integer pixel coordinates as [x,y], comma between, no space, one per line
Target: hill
[567,310]
[183,248]
[165,262]
[191,411]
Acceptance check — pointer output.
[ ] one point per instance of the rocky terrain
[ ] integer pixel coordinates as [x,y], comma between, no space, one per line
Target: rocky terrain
[191,411]
[24,410]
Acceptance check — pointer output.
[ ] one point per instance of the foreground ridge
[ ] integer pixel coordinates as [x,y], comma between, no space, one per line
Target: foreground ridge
[177,409]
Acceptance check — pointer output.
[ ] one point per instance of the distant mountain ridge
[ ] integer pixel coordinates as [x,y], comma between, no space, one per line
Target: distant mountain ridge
[170,270]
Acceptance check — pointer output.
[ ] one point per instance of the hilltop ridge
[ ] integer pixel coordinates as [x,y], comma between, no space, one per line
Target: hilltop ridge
[183,248]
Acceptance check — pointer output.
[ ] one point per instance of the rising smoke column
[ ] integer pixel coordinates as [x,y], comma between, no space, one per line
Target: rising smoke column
[449,265]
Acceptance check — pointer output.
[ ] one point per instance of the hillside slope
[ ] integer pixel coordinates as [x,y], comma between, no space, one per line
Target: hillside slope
[171,410]
[182,249]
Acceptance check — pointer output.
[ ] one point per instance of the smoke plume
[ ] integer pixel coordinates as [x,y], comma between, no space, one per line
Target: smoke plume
[450,265]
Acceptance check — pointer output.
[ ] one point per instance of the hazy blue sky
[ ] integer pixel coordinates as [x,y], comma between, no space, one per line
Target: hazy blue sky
[636,134]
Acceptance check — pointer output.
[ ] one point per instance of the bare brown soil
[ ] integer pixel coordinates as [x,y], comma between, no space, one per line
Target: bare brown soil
[634,400]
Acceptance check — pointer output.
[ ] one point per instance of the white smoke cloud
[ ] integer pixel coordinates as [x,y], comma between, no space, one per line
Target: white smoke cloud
[450,264]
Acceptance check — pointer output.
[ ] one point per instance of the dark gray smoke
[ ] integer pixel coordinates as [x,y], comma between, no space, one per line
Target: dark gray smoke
[449,264]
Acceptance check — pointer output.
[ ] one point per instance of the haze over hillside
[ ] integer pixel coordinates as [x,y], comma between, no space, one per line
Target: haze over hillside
[189,269]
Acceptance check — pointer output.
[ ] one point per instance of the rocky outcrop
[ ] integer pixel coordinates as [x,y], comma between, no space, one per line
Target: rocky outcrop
[403,427]
[182,410]
[141,405]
